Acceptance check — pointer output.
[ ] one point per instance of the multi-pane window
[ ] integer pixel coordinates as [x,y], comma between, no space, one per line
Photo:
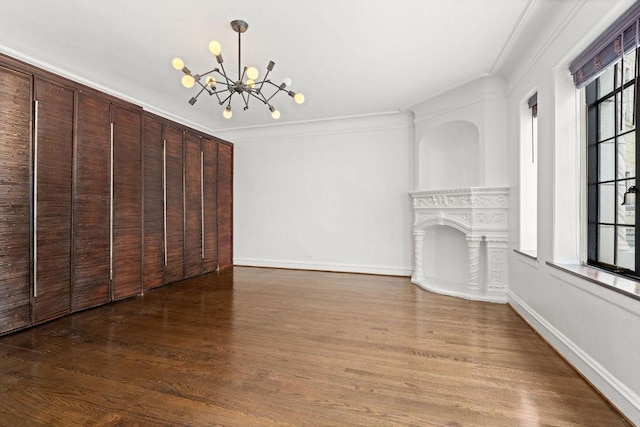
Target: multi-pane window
[612,167]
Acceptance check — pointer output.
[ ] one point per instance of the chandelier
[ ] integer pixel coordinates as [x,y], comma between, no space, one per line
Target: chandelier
[247,85]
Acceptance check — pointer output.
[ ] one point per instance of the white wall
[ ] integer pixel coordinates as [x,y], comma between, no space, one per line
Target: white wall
[328,195]
[596,329]
[449,157]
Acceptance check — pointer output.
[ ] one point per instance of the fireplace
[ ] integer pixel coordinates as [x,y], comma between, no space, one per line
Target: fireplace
[480,213]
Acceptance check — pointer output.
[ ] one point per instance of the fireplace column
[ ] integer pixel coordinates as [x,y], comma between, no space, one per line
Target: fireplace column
[473,245]
[418,243]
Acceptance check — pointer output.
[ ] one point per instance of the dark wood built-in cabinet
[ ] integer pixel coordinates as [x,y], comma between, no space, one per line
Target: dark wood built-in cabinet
[225,206]
[126,253]
[153,198]
[174,205]
[53,119]
[100,200]
[15,199]
[210,199]
[91,279]
[193,218]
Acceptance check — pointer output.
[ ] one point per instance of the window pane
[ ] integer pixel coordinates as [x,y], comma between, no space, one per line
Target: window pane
[606,122]
[626,247]
[626,213]
[627,109]
[605,82]
[630,65]
[626,156]
[606,202]
[606,161]
[605,243]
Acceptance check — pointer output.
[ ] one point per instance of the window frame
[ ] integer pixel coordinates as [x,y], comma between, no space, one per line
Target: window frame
[593,182]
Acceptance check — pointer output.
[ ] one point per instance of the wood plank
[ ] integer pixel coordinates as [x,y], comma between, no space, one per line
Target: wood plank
[253,346]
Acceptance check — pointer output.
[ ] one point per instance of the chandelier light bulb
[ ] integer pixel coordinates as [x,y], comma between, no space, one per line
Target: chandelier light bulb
[211,82]
[287,81]
[178,64]
[299,98]
[215,47]
[188,81]
[274,113]
[250,83]
[252,73]
[227,112]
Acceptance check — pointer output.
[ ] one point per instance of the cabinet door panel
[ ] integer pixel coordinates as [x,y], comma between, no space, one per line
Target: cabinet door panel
[53,216]
[225,205]
[91,203]
[153,249]
[210,152]
[127,204]
[15,195]
[193,206]
[175,206]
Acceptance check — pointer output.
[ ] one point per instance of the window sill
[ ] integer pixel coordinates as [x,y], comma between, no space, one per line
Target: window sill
[622,285]
[528,253]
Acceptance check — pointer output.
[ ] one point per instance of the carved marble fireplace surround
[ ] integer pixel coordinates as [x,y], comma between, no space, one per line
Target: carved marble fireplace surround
[481,214]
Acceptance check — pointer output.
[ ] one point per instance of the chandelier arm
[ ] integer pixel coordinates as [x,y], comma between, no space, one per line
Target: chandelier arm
[246,100]
[201,90]
[260,97]
[264,79]
[209,72]
[224,74]
[228,98]
[218,96]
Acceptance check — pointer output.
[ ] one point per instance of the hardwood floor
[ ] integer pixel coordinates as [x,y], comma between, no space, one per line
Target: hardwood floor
[282,347]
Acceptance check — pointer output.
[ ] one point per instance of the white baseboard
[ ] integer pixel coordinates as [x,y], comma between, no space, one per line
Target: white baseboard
[318,266]
[625,399]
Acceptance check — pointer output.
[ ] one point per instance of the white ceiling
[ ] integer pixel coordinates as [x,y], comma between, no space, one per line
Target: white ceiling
[349,57]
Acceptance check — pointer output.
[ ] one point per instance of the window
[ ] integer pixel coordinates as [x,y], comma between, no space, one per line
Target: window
[529,178]
[608,70]
[612,160]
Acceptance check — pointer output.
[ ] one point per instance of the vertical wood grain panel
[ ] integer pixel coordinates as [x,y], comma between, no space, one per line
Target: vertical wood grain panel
[127,194]
[225,205]
[174,269]
[55,155]
[193,207]
[153,249]
[210,150]
[15,142]
[91,203]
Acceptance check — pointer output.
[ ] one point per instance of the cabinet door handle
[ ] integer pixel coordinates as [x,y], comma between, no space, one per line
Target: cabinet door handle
[111,207]
[164,197]
[35,200]
[202,203]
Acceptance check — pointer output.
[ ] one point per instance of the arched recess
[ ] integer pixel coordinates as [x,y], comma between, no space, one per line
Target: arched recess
[449,156]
